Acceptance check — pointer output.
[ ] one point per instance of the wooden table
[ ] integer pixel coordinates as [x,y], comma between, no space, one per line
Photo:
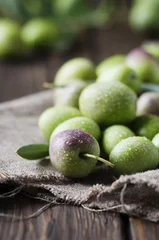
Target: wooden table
[66,222]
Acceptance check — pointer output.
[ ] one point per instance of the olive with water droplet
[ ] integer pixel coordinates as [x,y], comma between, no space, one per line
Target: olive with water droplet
[109,62]
[113,135]
[121,73]
[134,154]
[76,68]
[74,153]
[108,103]
[80,123]
[53,116]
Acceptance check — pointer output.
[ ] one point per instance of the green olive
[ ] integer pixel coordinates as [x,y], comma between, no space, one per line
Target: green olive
[76,68]
[134,154]
[112,61]
[152,48]
[10,40]
[40,33]
[146,125]
[113,135]
[121,73]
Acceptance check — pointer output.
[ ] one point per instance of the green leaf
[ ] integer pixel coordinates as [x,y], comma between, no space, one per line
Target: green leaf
[34,151]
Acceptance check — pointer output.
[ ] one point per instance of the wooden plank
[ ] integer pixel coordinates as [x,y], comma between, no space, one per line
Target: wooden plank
[59,222]
[143,230]
[117,39]
[19,79]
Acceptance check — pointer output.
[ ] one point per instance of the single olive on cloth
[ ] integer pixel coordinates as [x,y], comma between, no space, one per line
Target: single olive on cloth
[145,65]
[10,40]
[67,150]
[108,103]
[155,140]
[113,135]
[112,61]
[68,95]
[53,116]
[76,68]
[81,123]
[121,73]
[148,103]
[134,154]
[146,125]
[40,33]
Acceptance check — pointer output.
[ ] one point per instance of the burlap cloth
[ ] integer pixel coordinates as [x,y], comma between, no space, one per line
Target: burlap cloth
[136,195]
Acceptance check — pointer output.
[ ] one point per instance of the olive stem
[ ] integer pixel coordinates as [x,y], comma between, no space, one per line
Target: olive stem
[87,155]
[47,85]
[51,85]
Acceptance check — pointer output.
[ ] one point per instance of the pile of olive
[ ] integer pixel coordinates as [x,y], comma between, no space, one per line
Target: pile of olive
[102,107]
[20,41]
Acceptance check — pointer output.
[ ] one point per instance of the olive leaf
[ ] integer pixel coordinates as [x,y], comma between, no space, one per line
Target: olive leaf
[33,151]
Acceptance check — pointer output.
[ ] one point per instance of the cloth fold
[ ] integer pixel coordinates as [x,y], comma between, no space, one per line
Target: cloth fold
[135,195]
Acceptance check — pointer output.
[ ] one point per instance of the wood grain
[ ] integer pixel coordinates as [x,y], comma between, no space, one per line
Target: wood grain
[58,222]
[143,230]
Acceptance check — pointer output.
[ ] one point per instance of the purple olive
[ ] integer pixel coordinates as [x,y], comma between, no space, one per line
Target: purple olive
[145,65]
[148,103]
[74,153]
